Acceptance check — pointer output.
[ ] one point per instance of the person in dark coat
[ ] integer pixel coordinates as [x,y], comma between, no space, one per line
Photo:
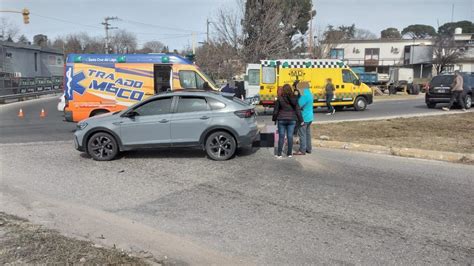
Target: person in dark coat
[286,113]
[228,89]
[329,95]
[240,90]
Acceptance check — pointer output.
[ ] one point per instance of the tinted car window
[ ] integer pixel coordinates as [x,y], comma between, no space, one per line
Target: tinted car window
[215,104]
[445,80]
[192,104]
[157,107]
[471,82]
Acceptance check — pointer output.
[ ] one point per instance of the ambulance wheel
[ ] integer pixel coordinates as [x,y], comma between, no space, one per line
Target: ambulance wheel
[360,103]
[102,147]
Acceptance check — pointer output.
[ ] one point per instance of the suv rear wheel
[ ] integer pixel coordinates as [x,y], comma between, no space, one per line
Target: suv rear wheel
[468,101]
[102,147]
[220,146]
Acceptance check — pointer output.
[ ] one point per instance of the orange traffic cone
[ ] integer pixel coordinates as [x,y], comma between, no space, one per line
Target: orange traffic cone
[43,113]
[20,113]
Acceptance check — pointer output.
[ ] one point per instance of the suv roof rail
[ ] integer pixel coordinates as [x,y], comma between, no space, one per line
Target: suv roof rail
[188,90]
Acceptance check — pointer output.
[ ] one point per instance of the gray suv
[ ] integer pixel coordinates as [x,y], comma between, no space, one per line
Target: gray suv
[216,122]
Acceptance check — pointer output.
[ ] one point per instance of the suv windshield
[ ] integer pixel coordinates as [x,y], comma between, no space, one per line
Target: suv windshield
[445,80]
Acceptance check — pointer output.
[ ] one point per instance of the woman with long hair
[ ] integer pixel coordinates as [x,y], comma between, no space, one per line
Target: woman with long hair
[287,114]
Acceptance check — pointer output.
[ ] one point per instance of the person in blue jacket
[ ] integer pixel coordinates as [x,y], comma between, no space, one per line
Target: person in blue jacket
[306,104]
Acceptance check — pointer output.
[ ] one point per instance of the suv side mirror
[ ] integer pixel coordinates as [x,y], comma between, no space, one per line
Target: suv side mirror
[357,82]
[131,114]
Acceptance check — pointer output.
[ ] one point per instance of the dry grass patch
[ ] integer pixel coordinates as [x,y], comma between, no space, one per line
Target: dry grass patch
[453,133]
[24,243]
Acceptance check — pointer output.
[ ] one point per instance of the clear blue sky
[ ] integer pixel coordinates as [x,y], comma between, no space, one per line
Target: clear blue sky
[175,19]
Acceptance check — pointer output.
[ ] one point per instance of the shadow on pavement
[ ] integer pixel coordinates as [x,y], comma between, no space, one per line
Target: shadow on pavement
[184,153]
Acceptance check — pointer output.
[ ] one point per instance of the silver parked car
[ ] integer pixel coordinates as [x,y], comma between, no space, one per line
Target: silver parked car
[217,123]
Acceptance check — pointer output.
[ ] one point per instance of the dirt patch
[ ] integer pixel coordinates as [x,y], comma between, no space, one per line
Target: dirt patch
[453,133]
[24,243]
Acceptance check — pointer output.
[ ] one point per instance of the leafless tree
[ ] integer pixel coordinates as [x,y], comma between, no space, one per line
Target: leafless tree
[153,46]
[327,40]
[219,59]
[124,42]
[266,37]
[23,39]
[363,34]
[445,51]
[8,29]
[228,28]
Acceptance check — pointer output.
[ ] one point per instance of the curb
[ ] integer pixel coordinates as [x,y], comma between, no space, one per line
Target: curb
[395,117]
[466,158]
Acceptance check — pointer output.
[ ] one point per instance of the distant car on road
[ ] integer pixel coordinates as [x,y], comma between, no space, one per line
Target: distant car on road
[211,120]
[439,89]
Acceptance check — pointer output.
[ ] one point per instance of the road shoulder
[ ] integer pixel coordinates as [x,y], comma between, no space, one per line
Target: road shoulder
[107,229]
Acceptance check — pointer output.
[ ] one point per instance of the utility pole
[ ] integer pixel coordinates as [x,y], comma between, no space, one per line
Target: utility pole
[207,30]
[107,28]
[310,39]
[452,13]
[194,43]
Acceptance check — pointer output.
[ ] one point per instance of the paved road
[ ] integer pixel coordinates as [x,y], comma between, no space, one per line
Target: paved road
[331,207]
[32,128]
[383,108]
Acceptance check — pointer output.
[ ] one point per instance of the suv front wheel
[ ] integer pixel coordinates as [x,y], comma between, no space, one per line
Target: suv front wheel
[102,147]
[220,146]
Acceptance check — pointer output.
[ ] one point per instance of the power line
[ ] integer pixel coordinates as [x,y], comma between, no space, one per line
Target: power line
[65,21]
[158,26]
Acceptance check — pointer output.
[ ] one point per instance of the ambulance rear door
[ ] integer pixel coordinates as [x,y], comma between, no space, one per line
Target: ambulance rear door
[268,84]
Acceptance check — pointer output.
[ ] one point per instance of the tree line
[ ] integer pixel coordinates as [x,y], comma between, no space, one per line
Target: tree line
[253,30]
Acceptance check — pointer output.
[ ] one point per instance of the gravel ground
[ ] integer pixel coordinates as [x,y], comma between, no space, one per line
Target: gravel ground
[333,207]
[22,242]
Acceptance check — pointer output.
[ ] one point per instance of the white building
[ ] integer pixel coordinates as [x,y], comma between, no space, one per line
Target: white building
[380,55]
[465,42]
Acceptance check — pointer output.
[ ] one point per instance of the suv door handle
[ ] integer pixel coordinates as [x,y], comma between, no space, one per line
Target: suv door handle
[204,117]
[164,121]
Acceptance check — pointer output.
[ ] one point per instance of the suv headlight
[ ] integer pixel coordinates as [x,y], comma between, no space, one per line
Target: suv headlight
[81,125]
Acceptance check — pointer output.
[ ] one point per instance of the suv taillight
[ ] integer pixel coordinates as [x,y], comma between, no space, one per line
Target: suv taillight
[245,113]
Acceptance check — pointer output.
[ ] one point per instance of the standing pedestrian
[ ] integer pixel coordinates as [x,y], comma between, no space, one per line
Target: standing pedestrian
[304,131]
[457,92]
[329,95]
[240,90]
[286,113]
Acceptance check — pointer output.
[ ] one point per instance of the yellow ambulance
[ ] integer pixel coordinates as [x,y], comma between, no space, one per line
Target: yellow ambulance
[350,92]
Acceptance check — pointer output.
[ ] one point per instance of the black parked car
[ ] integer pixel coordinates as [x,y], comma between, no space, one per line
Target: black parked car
[440,89]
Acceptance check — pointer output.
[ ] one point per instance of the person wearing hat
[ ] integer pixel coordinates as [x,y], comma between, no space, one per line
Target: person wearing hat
[305,102]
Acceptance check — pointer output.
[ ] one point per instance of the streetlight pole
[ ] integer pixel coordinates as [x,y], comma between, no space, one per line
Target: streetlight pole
[310,39]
